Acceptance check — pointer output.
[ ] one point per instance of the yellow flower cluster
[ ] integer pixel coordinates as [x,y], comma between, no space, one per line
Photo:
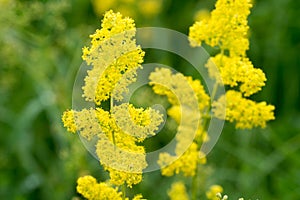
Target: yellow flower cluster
[212,193]
[246,113]
[235,70]
[179,89]
[137,122]
[112,54]
[120,177]
[226,27]
[69,121]
[187,163]
[114,57]
[84,121]
[178,192]
[88,187]
[188,99]
[117,149]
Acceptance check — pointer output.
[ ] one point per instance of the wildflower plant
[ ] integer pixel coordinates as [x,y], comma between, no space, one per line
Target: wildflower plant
[115,133]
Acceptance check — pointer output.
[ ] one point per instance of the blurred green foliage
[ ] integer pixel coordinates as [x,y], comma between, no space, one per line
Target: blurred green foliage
[40,54]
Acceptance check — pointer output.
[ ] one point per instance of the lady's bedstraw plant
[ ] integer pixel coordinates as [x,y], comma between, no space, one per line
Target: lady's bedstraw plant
[226,28]
[114,57]
[118,131]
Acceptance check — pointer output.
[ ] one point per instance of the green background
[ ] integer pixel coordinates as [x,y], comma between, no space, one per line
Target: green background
[40,54]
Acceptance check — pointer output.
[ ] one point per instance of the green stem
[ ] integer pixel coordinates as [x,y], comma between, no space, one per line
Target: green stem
[123,191]
[206,120]
[206,117]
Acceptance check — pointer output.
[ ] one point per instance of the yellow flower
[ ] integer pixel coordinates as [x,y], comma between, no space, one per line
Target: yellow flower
[211,194]
[138,197]
[179,89]
[114,57]
[186,163]
[137,122]
[113,52]
[120,177]
[178,191]
[88,187]
[244,112]
[69,121]
[84,121]
[236,70]
[123,156]
[227,27]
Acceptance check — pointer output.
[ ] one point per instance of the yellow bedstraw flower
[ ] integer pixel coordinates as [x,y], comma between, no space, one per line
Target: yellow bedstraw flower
[211,194]
[189,128]
[117,150]
[69,121]
[88,187]
[244,112]
[138,197]
[171,86]
[178,191]
[237,70]
[166,83]
[226,27]
[137,122]
[113,52]
[114,57]
[187,163]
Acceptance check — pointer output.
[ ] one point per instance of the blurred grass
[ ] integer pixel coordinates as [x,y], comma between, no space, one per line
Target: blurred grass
[40,53]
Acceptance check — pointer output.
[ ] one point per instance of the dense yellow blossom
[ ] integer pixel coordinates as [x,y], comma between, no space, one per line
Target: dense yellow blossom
[129,158]
[187,163]
[179,89]
[138,122]
[178,191]
[113,53]
[69,121]
[211,194]
[114,58]
[236,71]
[244,112]
[118,152]
[84,121]
[88,187]
[123,159]
[120,177]
[226,27]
